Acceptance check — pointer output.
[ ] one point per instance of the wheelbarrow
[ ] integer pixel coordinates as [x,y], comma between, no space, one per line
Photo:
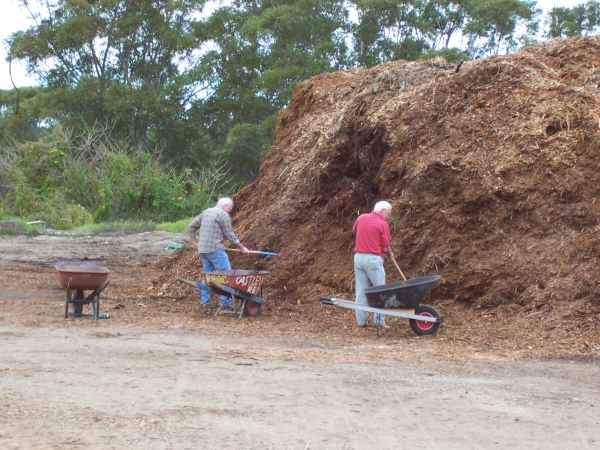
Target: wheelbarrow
[400,299]
[80,276]
[243,286]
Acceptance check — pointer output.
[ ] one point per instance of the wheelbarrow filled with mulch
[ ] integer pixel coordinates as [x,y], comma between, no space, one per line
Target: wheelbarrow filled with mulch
[77,277]
[243,286]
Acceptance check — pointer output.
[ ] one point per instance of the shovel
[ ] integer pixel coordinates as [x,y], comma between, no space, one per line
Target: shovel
[396,264]
[256,252]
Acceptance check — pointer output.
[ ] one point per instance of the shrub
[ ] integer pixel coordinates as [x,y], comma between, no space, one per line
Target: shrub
[59,213]
[70,181]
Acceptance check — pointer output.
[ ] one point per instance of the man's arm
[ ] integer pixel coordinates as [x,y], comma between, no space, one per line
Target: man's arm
[386,237]
[225,223]
[194,226]
[355,225]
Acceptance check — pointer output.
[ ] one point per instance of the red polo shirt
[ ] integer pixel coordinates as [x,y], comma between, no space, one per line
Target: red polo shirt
[372,234]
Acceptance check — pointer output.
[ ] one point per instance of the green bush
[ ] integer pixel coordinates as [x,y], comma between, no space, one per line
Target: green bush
[59,213]
[13,226]
[244,147]
[71,181]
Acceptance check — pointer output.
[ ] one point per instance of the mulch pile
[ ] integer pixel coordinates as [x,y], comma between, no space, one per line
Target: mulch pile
[493,169]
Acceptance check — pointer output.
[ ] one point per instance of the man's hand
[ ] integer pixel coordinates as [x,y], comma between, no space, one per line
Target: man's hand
[243,248]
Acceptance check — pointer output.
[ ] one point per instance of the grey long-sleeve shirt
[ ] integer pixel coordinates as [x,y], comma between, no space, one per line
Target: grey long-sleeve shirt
[210,227]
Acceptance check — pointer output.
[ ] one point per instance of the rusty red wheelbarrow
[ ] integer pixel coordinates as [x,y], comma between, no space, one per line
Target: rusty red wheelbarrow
[243,286]
[76,277]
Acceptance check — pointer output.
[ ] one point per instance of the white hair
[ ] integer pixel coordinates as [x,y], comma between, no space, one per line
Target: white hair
[224,202]
[380,206]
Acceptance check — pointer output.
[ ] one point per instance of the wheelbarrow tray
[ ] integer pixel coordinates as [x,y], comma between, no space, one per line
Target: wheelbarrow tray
[401,294]
[228,290]
[82,277]
[243,285]
[249,281]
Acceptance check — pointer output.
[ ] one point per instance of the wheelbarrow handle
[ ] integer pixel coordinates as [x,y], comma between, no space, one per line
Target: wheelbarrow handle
[191,283]
[326,301]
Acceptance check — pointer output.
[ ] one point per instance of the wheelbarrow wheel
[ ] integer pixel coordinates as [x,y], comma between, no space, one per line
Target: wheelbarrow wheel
[422,328]
[252,308]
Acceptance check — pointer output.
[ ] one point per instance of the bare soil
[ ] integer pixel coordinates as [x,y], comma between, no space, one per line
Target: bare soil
[117,247]
[163,373]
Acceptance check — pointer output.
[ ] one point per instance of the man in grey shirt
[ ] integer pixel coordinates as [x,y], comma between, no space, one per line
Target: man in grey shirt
[210,228]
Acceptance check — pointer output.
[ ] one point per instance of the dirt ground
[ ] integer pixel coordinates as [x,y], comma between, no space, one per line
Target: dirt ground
[47,249]
[163,373]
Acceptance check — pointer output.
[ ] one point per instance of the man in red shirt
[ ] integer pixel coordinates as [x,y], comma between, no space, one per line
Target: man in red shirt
[372,240]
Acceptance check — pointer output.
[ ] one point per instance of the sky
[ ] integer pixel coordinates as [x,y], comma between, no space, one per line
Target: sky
[14,17]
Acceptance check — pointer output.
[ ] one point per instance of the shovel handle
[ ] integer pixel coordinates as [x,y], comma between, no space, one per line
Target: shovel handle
[396,264]
[256,252]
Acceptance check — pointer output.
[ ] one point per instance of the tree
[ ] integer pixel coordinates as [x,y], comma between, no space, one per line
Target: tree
[203,88]
[112,61]
[389,29]
[580,20]
[493,24]
[257,51]
[18,114]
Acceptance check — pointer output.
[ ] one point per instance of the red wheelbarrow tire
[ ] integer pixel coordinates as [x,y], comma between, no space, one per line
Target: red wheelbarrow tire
[422,328]
[252,309]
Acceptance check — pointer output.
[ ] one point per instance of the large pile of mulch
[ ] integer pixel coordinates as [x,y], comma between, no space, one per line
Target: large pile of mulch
[493,169]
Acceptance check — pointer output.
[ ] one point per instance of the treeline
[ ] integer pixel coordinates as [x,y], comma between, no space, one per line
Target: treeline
[197,86]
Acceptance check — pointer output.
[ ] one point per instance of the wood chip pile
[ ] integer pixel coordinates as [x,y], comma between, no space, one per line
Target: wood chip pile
[493,169]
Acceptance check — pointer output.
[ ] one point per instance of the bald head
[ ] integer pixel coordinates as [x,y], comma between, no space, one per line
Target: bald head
[384,208]
[226,204]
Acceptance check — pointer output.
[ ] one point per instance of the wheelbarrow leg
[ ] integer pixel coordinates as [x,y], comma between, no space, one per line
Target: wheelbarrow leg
[96,304]
[78,299]
[242,307]
[91,300]
[67,301]
[95,307]
[97,292]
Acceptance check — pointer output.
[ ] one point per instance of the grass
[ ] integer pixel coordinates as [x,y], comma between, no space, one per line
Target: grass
[132,226]
[14,226]
[175,227]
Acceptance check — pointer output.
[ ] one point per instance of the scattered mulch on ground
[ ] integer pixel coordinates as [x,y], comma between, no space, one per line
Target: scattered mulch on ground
[315,331]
